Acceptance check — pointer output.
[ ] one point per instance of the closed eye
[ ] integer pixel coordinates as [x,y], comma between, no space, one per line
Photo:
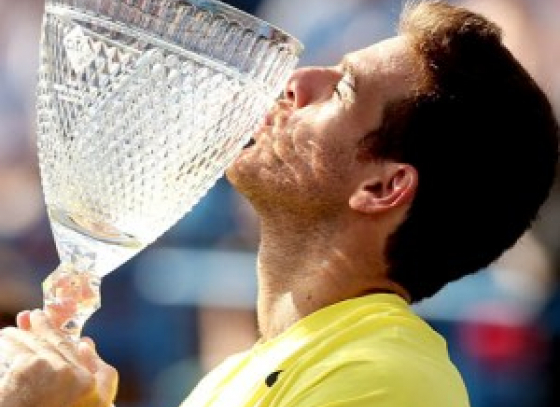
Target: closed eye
[345,88]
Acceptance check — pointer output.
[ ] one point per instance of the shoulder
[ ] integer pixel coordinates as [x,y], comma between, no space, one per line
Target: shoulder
[391,359]
[380,379]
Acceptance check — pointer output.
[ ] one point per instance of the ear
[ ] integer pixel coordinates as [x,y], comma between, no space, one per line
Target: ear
[393,185]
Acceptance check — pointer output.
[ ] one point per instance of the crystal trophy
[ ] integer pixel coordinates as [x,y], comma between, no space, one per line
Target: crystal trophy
[141,106]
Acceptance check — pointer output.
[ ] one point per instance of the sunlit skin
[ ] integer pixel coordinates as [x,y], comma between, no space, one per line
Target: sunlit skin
[326,212]
[325,216]
[47,360]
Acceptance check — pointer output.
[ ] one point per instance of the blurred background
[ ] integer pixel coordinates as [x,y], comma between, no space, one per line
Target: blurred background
[186,302]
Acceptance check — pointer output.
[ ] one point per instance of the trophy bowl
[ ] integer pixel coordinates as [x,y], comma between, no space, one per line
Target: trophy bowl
[141,106]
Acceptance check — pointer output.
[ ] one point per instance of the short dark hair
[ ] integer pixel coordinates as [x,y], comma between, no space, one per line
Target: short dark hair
[484,140]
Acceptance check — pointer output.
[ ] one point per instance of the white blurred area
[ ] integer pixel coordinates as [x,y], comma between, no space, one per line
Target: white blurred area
[20,208]
[187,302]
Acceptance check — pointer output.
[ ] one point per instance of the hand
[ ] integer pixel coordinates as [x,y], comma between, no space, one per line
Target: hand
[47,369]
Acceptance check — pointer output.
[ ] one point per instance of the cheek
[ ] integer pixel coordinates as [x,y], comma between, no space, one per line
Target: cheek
[295,152]
[320,161]
[323,145]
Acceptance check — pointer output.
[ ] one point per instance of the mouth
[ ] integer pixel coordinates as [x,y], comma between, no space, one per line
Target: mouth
[272,119]
[250,143]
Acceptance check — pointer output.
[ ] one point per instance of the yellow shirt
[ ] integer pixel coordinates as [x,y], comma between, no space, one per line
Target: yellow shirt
[371,351]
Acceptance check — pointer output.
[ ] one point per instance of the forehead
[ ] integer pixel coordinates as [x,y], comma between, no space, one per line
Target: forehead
[389,67]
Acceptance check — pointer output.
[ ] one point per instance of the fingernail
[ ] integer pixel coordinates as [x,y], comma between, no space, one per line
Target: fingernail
[22,314]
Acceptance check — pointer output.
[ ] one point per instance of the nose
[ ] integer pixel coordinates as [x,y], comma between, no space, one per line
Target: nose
[309,85]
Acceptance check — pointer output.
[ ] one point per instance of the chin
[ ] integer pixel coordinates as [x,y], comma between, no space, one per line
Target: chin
[239,177]
[244,168]
[248,183]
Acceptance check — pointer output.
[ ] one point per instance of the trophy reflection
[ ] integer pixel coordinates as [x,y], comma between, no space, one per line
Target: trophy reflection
[142,104]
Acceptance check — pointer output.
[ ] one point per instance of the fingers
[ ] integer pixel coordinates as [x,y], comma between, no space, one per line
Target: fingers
[46,335]
[42,327]
[38,335]
[88,356]
[16,343]
[107,383]
[43,364]
[43,377]
[87,340]
[106,376]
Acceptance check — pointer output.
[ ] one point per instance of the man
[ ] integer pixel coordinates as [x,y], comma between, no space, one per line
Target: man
[410,164]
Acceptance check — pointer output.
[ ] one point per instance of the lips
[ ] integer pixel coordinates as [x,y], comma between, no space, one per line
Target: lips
[250,143]
[254,138]
[274,118]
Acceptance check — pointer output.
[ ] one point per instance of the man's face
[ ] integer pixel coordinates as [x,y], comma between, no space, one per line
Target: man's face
[305,155]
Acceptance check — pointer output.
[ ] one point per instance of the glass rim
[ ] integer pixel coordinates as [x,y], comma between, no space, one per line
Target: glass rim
[228,10]
[256,24]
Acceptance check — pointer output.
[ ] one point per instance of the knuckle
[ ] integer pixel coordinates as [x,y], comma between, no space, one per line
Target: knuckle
[80,379]
[38,363]
[112,372]
[109,371]
[66,371]
[27,370]
[87,382]
[70,373]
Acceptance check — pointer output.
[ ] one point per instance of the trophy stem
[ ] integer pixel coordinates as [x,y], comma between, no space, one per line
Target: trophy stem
[71,296]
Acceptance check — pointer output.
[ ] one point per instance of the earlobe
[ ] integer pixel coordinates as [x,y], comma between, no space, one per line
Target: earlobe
[395,186]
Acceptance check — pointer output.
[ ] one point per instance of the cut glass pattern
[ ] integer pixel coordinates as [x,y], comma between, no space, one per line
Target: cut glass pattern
[141,107]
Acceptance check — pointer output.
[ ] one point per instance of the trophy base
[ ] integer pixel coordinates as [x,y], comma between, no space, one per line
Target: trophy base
[97,230]
[91,246]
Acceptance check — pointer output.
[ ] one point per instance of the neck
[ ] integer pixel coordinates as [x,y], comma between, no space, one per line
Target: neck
[303,267]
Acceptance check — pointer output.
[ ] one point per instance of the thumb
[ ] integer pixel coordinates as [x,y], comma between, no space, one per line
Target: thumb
[88,354]
[88,341]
